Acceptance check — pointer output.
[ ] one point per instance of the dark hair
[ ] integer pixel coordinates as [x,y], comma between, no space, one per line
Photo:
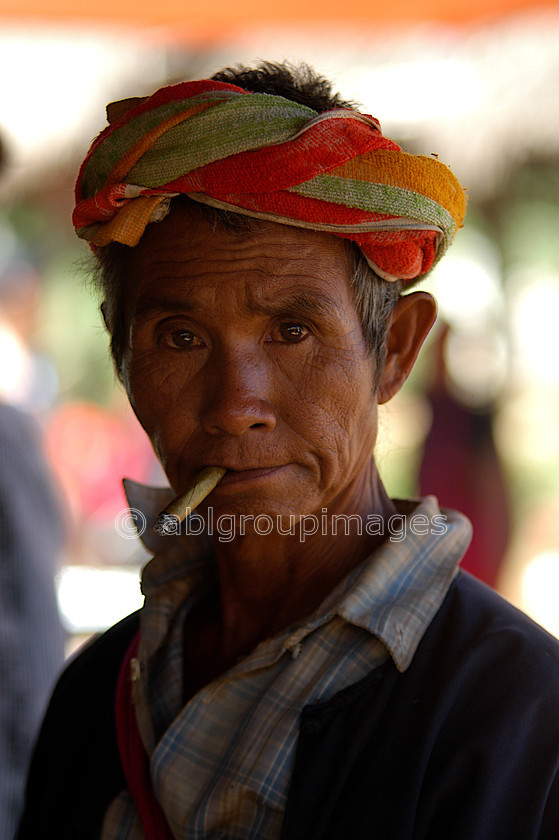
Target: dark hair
[375,298]
[300,84]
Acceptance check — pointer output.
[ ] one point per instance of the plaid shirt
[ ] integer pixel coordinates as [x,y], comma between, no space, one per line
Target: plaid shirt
[221,764]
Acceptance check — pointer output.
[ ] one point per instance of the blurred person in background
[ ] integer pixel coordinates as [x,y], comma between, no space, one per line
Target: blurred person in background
[31,637]
[461,465]
[31,542]
[309,661]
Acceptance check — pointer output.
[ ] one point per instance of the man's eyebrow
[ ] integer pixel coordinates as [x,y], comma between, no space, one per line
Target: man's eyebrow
[301,303]
[156,305]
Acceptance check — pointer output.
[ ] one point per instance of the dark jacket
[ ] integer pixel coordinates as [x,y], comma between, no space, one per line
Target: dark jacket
[464,745]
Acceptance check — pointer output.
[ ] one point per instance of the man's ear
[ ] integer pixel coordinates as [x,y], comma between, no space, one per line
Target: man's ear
[105,313]
[413,317]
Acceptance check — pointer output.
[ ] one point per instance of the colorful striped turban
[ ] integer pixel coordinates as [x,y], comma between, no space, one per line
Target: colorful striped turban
[267,157]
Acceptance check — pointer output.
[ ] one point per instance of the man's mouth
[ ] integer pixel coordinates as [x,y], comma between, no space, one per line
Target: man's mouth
[247,474]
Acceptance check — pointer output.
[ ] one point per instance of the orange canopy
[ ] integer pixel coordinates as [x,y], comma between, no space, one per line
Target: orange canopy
[220,17]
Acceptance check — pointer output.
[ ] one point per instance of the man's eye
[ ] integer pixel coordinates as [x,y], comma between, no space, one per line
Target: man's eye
[183,339]
[293,332]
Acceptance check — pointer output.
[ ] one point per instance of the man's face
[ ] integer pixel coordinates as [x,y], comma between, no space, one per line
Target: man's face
[246,351]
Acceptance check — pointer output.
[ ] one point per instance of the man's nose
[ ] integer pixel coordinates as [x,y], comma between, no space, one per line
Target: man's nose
[238,393]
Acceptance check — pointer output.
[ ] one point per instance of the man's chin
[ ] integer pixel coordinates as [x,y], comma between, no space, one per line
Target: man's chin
[250,516]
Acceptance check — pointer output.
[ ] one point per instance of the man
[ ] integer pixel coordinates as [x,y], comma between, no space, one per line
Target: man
[308,663]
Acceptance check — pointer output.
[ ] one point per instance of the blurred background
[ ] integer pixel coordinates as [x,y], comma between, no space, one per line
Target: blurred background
[476,83]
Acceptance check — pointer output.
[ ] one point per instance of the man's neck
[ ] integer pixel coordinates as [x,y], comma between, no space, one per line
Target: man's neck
[269,582]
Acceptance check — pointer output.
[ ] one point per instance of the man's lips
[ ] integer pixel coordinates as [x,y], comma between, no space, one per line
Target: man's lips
[247,474]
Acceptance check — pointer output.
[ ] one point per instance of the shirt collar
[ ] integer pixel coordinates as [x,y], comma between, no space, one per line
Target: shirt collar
[175,555]
[397,591]
[394,594]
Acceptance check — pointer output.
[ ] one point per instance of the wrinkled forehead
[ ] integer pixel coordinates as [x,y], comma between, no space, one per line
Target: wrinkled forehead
[195,248]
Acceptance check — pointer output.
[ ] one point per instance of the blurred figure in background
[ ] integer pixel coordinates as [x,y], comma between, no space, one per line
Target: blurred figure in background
[461,467]
[31,540]
[31,639]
